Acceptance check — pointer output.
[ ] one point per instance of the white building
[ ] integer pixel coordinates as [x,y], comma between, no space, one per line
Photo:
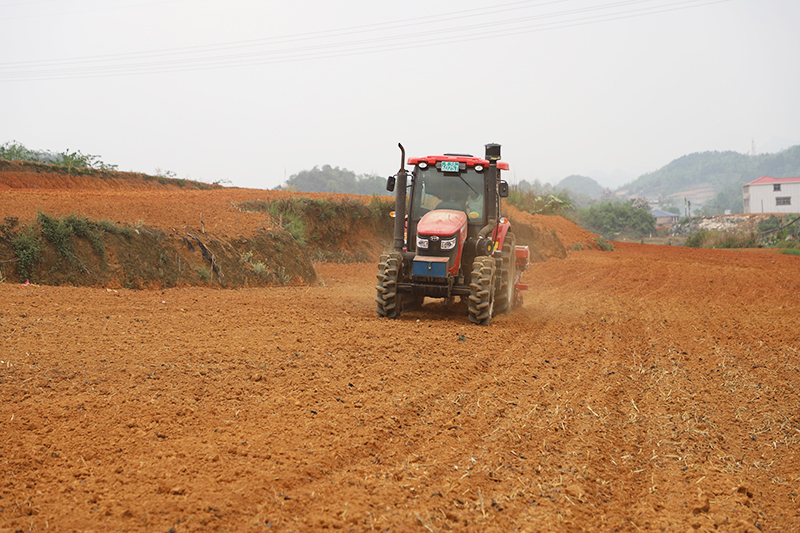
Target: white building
[772,195]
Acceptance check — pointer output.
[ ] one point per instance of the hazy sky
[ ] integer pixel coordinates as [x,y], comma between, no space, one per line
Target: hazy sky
[252,92]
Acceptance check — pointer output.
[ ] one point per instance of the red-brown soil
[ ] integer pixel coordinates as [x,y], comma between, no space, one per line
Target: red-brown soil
[651,388]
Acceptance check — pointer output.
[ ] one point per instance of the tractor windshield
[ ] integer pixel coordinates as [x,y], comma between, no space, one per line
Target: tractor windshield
[462,191]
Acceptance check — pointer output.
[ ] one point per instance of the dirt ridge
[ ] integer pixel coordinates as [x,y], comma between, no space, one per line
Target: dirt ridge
[166,217]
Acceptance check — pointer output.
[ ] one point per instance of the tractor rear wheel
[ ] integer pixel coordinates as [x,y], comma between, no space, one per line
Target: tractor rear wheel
[388,274]
[506,266]
[481,293]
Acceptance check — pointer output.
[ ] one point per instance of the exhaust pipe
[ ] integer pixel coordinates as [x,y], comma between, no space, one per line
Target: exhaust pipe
[400,202]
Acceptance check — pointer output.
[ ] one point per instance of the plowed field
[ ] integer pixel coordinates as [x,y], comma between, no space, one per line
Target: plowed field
[646,389]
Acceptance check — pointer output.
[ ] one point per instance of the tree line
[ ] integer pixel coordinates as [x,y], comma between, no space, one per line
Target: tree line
[335,180]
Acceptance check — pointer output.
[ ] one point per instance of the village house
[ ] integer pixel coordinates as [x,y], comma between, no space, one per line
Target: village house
[664,218]
[772,195]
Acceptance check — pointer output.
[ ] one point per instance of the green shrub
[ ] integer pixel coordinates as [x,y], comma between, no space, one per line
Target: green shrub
[109,227]
[58,232]
[790,251]
[716,239]
[297,229]
[790,244]
[769,224]
[695,240]
[204,273]
[7,228]
[283,276]
[82,227]
[28,244]
[539,204]
[379,208]
[737,240]
[27,247]
[67,160]
[604,245]
[297,213]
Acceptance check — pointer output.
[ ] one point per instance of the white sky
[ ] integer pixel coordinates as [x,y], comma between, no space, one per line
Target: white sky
[254,91]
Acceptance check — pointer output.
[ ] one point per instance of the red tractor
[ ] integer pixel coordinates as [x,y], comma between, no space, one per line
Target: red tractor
[451,239]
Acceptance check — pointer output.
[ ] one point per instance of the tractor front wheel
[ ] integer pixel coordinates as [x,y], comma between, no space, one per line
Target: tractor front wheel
[388,273]
[481,293]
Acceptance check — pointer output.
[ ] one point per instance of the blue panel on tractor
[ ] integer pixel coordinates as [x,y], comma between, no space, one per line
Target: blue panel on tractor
[430,266]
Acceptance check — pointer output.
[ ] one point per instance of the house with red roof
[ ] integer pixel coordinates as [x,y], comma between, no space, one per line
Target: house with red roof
[772,195]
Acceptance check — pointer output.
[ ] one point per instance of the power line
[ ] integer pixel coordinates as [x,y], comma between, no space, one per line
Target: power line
[339,32]
[303,47]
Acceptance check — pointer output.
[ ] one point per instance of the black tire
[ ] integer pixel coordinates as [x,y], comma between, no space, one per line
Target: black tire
[506,272]
[388,273]
[482,288]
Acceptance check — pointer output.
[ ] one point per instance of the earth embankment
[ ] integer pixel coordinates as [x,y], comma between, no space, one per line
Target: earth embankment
[177,235]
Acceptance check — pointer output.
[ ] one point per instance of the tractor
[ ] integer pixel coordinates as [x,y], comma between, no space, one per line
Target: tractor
[450,238]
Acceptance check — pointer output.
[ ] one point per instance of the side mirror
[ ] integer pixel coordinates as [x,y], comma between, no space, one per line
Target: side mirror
[502,189]
[390,183]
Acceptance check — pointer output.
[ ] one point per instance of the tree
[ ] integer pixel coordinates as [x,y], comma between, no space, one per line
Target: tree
[539,204]
[615,219]
[334,179]
[641,203]
[607,195]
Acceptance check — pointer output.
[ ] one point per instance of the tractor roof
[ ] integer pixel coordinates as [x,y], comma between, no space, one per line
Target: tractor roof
[468,159]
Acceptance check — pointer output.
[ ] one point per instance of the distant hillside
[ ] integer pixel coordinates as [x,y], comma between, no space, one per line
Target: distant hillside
[581,185]
[714,178]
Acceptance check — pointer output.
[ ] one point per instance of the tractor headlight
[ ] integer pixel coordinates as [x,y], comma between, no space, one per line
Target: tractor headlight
[449,244]
[422,243]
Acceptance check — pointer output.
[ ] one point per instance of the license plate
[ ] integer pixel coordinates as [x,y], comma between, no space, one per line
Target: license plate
[449,166]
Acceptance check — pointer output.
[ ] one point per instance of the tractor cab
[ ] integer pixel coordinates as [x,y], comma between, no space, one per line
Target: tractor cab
[448,185]
[448,210]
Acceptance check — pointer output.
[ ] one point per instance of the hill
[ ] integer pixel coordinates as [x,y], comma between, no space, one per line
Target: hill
[713,179]
[581,185]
